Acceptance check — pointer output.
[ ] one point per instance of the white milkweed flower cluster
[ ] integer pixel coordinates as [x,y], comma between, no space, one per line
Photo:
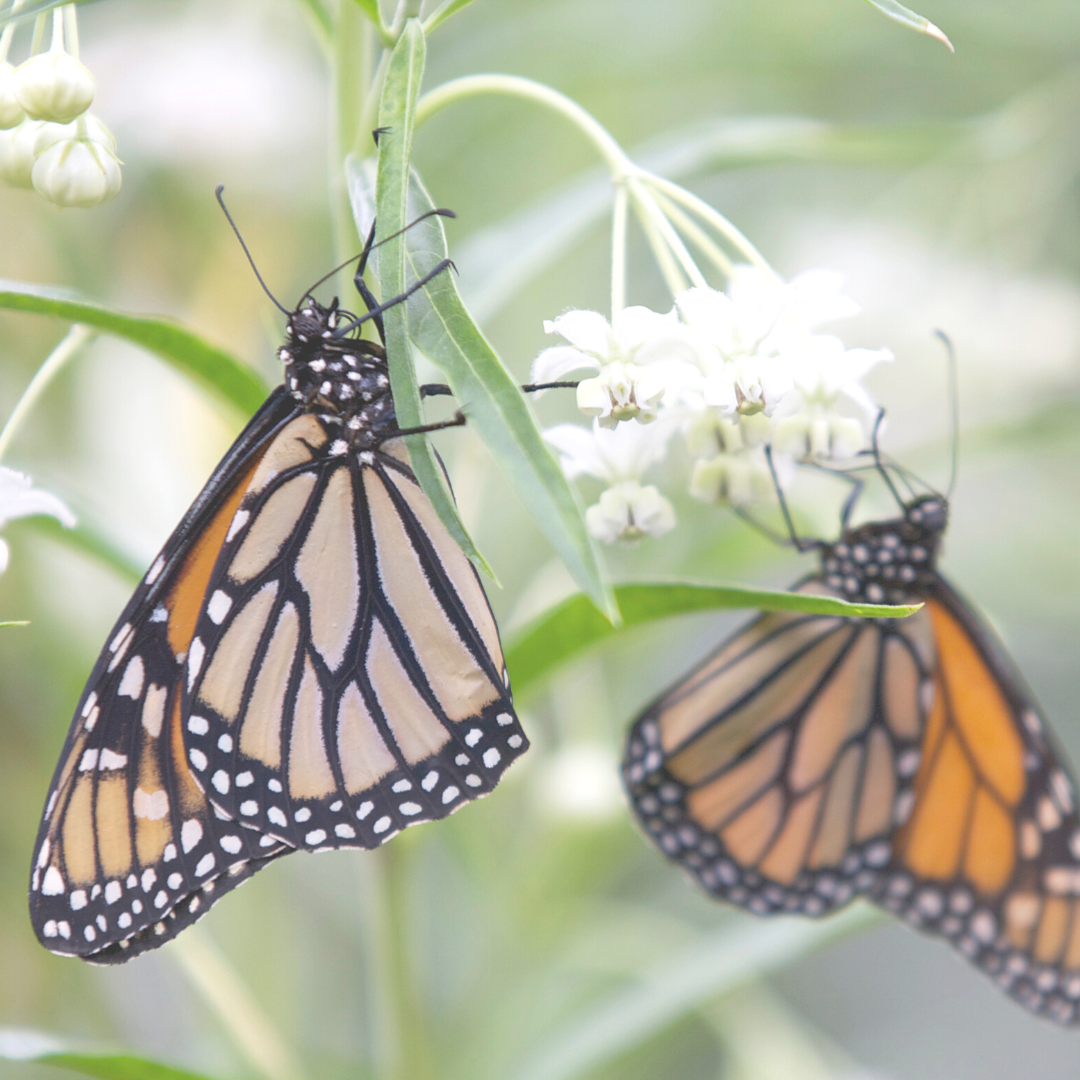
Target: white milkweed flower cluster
[19,498]
[48,139]
[734,371]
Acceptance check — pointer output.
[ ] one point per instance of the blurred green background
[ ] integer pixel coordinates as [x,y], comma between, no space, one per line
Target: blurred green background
[943,186]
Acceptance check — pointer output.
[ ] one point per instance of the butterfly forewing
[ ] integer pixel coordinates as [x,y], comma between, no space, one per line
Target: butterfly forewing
[375,693]
[771,772]
[129,849]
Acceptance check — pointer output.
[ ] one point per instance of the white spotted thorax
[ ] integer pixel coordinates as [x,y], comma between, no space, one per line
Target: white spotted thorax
[343,380]
[887,562]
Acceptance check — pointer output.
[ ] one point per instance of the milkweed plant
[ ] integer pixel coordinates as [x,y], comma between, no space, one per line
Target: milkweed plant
[738,359]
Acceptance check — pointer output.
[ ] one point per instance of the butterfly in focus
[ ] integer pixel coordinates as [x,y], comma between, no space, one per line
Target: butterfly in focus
[812,759]
[309,663]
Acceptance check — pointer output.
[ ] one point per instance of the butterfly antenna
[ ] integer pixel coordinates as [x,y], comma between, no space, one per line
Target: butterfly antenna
[228,217]
[878,464]
[369,246]
[954,408]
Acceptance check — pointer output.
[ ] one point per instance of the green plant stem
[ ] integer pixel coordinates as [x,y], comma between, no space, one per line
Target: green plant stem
[356,95]
[712,217]
[73,341]
[618,251]
[211,974]
[71,30]
[694,233]
[414,1059]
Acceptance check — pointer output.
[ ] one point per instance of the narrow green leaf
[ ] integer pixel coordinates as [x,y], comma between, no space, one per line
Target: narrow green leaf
[45,1050]
[904,16]
[117,1067]
[743,950]
[575,624]
[442,328]
[441,14]
[16,622]
[371,9]
[397,110]
[185,350]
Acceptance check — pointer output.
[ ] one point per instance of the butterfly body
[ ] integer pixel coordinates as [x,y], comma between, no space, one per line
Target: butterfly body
[309,663]
[812,759]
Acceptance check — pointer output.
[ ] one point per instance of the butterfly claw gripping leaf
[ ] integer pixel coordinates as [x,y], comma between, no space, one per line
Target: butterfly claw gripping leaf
[812,759]
[309,663]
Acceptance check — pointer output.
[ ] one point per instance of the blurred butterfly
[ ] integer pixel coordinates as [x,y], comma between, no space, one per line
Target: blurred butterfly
[811,759]
[310,662]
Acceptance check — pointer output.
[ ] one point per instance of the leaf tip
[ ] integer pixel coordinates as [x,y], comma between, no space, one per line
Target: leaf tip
[936,32]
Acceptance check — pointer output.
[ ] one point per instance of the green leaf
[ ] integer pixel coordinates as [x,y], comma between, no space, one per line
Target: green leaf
[743,950]
[904,16]
[575,624]
[397,109]
[16,622]
[442,328]
[371,10]
[185,350]
[44,1050]
[441,14]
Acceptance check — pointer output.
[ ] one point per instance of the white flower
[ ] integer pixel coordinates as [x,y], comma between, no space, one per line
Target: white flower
[810,424]
[11,112]
[19,498]
[628,509]
[638,357]
[755,333]
[738,478]
[77,171]
[708,434]
[17,153]
[86,127]
[54,86]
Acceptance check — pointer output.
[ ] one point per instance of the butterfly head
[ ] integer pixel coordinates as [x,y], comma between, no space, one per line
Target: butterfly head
[885,562]
[344,380]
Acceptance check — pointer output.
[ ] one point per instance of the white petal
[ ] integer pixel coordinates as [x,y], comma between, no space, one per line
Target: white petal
[634,326]
[651,512]
[588,330]
[593,397]
[5,555]
[577,448]
[19,498]
[552,364]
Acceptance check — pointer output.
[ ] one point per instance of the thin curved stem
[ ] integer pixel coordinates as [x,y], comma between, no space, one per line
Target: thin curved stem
[75,339]
[694,233]
[711,216]
[646,204]
[618,251]
[516,86]
[71,31]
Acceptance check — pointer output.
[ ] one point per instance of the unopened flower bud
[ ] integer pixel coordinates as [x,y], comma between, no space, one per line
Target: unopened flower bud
[86,127]
[11,112]
[17,153]
[77,172]
[54,86]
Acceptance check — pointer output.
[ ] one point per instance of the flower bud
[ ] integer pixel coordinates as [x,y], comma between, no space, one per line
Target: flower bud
[11,112]
[17,153]
[86,127]
[737,479]
[77,172]
[54,86]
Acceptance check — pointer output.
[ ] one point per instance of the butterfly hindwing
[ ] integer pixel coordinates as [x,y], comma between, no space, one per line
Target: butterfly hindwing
[373,692]
[129,848]
[775,772]
[989,857]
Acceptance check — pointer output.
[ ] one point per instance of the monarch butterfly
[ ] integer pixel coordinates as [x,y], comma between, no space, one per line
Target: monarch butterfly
[811,759]
[310,662]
